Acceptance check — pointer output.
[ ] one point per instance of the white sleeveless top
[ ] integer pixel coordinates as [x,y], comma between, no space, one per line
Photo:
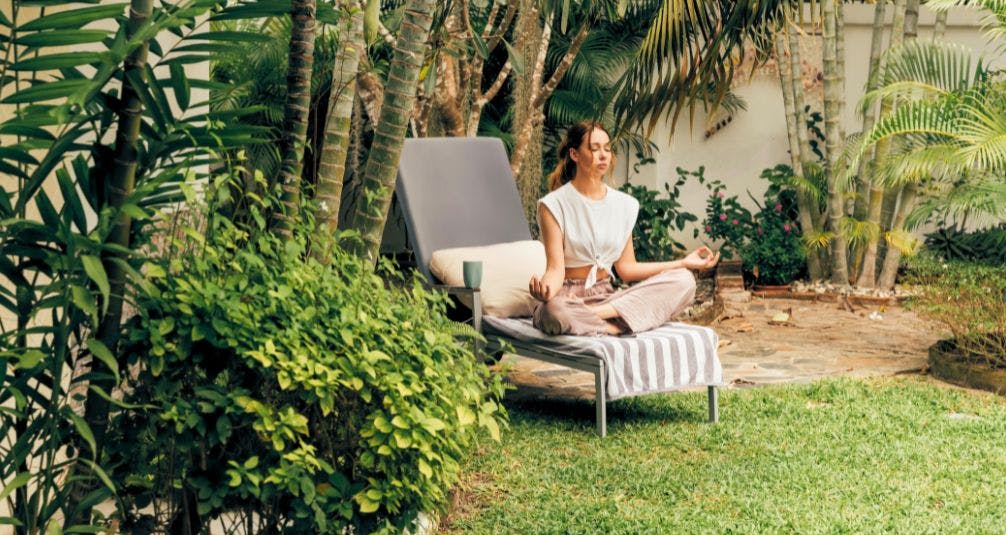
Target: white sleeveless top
[594,232]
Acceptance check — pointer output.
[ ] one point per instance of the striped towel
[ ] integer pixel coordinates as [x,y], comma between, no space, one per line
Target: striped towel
[670,357]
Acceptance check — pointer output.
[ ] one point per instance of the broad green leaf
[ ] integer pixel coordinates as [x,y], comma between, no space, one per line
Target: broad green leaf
[19,481]
[100,472]
[71,200]
[61,38]
[75,18]
[94,270]
[180,86]
[29,359]
[83,430]
[84,300]
[255,10]
[57,61]
[234,36]
[46,91]
[465,415]
[101,352]
[424,468]
[25,130]
[18,155]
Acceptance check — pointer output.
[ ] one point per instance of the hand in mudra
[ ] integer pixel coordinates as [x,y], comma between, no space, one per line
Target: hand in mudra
[701,259]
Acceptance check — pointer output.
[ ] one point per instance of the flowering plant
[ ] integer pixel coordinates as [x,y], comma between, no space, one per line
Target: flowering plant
[768,241]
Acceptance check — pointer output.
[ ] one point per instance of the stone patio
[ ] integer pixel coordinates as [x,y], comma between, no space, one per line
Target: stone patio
[821,339]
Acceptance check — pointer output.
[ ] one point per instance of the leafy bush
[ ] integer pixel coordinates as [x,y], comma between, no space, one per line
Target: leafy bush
[653,239]
[305,391]
[953,243]
[768,242]
[969,299]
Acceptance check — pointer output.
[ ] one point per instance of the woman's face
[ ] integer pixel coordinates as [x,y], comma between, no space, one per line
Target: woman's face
[594,153]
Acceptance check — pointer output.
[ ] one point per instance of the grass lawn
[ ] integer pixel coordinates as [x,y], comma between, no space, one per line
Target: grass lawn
[892,455]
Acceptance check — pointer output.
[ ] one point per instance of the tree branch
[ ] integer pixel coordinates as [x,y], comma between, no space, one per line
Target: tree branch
[560,71]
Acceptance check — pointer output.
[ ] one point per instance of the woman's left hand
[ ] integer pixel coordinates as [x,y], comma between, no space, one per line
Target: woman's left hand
[701,259]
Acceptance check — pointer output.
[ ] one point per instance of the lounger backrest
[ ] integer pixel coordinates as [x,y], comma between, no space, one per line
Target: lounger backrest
[457,192]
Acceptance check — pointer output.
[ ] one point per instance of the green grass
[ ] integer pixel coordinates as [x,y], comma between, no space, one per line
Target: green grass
[885,455]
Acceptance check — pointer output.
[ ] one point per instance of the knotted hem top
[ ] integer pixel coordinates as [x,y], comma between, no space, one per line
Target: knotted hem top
[594,231]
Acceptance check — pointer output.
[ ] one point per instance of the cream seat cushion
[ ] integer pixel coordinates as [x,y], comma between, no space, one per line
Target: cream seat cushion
[506,270]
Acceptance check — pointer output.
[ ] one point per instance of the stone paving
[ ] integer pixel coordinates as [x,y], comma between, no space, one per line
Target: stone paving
[821,339]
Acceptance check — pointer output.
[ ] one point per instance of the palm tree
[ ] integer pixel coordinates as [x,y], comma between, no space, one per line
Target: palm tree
[298,105]
[332,167]
[381,169]
[945,140]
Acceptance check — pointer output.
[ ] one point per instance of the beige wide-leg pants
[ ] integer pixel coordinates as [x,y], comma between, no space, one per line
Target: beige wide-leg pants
[641,307]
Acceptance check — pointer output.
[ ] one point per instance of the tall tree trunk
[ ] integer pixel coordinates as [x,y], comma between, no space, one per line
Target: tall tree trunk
[815,266]
[531,114]
[876,46]
[796,158]
[389,134]
[332,169]
[295,112]
[120,188]
[532,42]
[940,28]
[868,273]
[832,107]
[892,258]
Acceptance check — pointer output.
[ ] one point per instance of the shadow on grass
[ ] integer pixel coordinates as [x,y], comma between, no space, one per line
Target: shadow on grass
[578,413]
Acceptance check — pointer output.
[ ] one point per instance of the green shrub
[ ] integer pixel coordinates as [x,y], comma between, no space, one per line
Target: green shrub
[952,243]
[769,241]
[969,299]
[306,392]
[659,219]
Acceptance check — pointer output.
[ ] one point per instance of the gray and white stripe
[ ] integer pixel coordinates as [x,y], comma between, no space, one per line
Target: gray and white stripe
[670,357]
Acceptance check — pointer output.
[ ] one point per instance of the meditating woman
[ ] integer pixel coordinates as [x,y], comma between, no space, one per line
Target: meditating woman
[587,230]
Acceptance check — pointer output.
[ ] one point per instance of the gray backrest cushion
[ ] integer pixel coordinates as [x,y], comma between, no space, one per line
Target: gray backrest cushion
[458,192]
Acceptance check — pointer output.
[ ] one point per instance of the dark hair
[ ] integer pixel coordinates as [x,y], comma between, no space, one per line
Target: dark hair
[566,170]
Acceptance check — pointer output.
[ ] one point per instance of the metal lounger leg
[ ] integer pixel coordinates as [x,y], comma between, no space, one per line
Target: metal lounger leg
[599,400]
[714,405]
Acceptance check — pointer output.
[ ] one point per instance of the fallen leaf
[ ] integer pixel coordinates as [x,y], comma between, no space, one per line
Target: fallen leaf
[739,381]
[744,328]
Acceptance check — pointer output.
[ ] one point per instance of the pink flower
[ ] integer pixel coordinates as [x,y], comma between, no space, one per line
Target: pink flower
[720,194]
[785,227]
[723,217]
[760,232]
[708,228]
[734,221]
[778,207]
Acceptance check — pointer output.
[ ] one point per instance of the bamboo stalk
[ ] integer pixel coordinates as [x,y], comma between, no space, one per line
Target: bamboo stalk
[868,274]
[789,104]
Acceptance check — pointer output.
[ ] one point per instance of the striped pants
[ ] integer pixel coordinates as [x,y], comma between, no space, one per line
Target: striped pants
[641,307]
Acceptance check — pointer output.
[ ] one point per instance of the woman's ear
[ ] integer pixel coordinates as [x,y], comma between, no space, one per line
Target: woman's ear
[572,154]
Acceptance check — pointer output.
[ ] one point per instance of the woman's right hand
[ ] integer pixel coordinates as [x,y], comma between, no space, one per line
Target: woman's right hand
[540,289]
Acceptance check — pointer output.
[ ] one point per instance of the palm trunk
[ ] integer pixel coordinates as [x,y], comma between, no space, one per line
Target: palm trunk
[832,108]
[803,200]
[940,28]
[892,258]
[889,272]
[389,134]
[868,273]
[298,104]
[332,169]
[529,132]
[120,188]
[876,46]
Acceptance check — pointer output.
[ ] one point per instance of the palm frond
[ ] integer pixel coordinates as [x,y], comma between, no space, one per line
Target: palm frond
[687,57]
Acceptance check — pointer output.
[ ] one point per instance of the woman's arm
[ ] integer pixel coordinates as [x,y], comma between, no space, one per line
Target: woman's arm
[629,270]
[555,266]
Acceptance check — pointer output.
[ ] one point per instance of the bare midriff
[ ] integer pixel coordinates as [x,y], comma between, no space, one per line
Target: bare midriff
[580,273]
